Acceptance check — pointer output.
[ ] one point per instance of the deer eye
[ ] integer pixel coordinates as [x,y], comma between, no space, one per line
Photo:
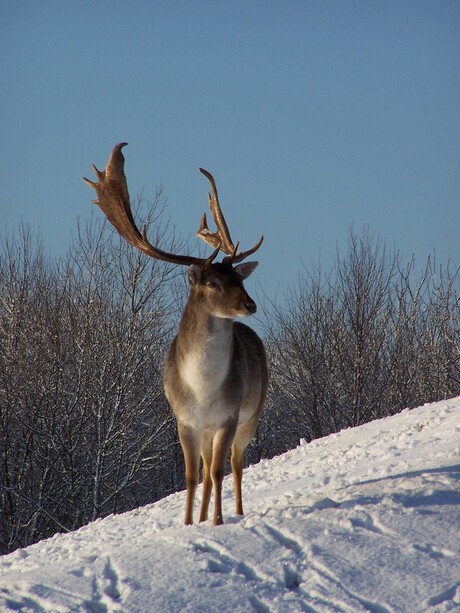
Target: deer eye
[212,284]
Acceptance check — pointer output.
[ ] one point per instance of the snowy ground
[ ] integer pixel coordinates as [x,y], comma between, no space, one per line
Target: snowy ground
[364,520]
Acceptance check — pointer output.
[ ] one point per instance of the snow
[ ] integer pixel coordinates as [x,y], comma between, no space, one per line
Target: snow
[364,520]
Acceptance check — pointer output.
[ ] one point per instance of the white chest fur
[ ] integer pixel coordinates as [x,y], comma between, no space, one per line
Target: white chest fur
[205,371]
[204,366]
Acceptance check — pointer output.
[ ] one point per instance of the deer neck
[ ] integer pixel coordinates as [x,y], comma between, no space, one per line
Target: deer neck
[205,345]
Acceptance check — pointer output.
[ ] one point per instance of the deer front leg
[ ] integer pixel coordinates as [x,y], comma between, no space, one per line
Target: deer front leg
[221,445]
[206,454]
[191,449]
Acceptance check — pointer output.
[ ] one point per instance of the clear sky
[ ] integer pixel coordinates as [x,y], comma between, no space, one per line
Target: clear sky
[312,115]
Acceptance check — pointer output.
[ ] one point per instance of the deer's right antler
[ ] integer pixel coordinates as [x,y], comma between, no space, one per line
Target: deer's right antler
[113,199]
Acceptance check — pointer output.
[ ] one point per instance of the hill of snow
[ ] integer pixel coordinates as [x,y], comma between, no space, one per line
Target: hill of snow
[364,520]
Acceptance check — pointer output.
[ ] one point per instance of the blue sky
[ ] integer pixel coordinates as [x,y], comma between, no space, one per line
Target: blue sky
[312,116]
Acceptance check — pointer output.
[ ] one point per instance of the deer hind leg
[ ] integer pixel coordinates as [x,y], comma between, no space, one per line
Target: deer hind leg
[237,470]
[243,437]
[221,445]
[191,448]
[206,454]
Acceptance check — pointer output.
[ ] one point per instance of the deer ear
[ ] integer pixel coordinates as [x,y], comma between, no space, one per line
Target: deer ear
[245,269]
[194,274]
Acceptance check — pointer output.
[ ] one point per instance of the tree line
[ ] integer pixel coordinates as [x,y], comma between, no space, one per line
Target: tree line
[368,339]
[85,429]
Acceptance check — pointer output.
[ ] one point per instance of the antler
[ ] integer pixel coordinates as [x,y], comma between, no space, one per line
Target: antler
[221,238]
[113,199]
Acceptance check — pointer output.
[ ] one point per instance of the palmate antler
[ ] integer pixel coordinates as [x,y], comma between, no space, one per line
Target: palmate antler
[113,199]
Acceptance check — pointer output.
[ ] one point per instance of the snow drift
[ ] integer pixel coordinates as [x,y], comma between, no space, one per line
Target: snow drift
[364,520]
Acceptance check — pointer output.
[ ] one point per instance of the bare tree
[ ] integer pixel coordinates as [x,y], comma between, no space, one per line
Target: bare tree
[426,334]
[84,427]
[364,341]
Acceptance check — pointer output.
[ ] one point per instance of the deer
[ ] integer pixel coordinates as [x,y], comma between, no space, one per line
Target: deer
[215,373]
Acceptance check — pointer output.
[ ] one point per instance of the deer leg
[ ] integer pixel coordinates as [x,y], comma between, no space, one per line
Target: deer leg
[237,470]
[243,436]
[206,454]
[191,449]
[222,441]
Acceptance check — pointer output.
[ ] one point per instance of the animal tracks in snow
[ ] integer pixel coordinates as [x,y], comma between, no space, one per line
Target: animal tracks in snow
[107,591]
[449,596]
[101,588]
[219,559]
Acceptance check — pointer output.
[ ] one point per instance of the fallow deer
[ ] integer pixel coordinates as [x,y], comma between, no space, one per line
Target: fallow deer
[215,376]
